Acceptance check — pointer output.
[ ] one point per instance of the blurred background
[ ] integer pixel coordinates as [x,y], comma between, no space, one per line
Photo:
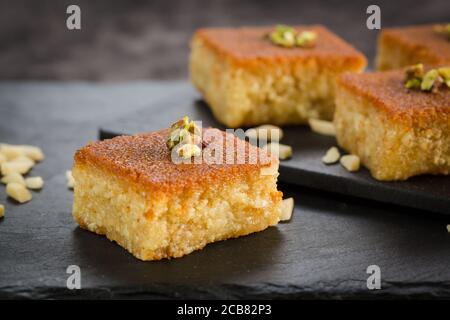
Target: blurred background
[134,39]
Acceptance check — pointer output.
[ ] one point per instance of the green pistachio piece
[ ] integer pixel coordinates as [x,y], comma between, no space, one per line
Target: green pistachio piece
[182,131]
[187,151]
[306,39]
[429,80]
[412,84]
[414,71]
[283,36]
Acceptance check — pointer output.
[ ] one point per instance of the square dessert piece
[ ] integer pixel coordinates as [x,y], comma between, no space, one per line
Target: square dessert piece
[128,189]
[248,80]
[401,47]
[396,132]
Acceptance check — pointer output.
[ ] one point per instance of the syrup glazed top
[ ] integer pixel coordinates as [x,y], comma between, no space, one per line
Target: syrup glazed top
[146,160]
[387,92]
[249,45]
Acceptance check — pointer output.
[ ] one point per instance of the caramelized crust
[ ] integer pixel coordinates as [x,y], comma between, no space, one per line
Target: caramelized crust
[420,43]
[144,159]
[386,91]
[249,45]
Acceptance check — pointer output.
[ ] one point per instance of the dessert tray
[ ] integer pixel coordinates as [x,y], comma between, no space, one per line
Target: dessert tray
[305,168]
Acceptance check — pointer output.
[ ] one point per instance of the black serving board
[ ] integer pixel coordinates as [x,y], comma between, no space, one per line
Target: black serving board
[323,252]
[305,168]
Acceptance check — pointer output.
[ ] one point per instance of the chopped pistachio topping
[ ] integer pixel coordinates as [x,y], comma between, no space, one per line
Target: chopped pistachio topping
[286,36]
[184,133]
[416,78]
[306,39]
[187,151]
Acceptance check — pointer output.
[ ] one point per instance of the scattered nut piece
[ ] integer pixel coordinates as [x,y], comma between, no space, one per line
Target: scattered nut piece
[322,127]
[13,177]
[448,227]
[70,179]
[32,152]
[2,210]
[2,158]
[20,166]
[287,207]
[266,131]
[18,192]
[13,151]
[34,183]
[332,156]
[282,151]
[350,162]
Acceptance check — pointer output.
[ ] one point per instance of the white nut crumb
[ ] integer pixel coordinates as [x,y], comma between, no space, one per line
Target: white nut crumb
[18,192]
[2,210]
[33,152]
[2,158]
[70,179]
[13,177]
[266,132]
[332,156]
[34,183]
[282,151]
[448,228]
[322,127]
[10,151]
[21,166]
[287,207]
[350,162]
[13,151]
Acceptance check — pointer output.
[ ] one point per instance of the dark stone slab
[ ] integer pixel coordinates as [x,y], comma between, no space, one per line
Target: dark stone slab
[305,168]
[322,253]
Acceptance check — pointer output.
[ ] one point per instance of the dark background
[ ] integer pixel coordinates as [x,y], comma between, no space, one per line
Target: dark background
[131,39]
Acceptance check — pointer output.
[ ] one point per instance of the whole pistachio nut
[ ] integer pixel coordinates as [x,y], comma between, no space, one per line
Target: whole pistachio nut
[414,72]
[431,80]
[306,39]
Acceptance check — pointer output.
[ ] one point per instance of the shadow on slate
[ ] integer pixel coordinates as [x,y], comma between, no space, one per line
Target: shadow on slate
[305,168]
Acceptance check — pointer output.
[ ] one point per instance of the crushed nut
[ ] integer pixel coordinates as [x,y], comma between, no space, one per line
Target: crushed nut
[13,177]
[2,210]
[13,151]
[287,207]
[416,78]
[34,183]
[306,39]
[20,166]
[350,162]
[184,131]
[448,228]
[283,36]
[187,151]
[282,151]
[18,192]
[332,156]
[3,158]
[70,180]
[288,37]
[322,127]
[267,131]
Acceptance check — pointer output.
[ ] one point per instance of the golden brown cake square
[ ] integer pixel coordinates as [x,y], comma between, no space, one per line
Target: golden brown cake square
[129,189]
[404,46]
[397,132]
[247,80]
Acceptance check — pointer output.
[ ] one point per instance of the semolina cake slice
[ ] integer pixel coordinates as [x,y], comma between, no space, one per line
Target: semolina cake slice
[247,80]
[404,46]
[129,189]
[396,132]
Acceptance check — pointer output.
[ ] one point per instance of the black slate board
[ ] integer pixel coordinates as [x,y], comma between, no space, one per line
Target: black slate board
[305,168]
[322,253]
